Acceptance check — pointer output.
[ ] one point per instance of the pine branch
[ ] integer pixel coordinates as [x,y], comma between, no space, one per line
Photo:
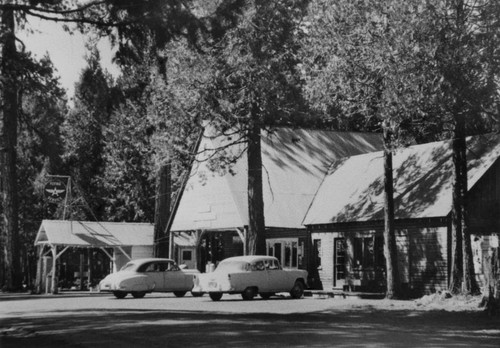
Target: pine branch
[28,8]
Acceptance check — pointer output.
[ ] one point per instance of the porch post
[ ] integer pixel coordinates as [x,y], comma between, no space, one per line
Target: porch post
[89,272]
[129,257]
[245,244]
[111,258]
[171,245]
[39,269]
[243,237]
[53,286]
[82,257]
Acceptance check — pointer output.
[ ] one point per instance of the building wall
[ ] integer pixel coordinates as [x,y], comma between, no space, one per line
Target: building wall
[120,258]
[484,198]
[321,270]
[422,255]
[483,247]
[293,244]
[141,252]
[428,259]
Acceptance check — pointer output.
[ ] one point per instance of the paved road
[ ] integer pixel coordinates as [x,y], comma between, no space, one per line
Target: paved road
[162,320]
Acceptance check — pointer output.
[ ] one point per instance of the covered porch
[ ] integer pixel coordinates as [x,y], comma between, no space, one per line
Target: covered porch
[120,242]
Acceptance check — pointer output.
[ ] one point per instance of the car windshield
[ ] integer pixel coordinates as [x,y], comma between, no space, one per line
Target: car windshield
[233,266]
[128,267]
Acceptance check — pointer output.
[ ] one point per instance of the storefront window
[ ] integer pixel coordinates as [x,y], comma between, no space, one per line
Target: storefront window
[367,252]
[339,260]
[277,252]
[317,252]
[187,255]
[294,254]
[287,251]
[288,255]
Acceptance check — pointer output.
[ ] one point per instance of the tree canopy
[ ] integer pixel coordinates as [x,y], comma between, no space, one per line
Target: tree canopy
[418,70]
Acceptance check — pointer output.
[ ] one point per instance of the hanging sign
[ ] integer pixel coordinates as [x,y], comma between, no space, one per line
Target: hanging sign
[55,189]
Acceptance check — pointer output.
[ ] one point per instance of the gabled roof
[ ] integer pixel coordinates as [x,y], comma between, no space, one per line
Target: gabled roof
[353,189]
[94,234]
[294,164]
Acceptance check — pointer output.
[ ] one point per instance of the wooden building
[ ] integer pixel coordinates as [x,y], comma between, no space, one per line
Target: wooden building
[345,219]
[214,205]
[121,242]
[116,242]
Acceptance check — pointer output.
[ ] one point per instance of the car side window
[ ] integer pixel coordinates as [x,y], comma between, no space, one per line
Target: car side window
[172,267]
[258,266]
[163,266]
[151,267]
[273,265]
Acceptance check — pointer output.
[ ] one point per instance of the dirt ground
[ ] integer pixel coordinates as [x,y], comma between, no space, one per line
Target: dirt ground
[165,321]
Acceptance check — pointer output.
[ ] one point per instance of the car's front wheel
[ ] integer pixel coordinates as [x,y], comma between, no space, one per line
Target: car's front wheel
[196,294]
[297,290]
[215,296]
[248,294]
[139,294]
[179,293]
[119,294]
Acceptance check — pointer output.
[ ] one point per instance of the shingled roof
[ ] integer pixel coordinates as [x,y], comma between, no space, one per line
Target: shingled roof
[94,234]
[352,191]
[294,164]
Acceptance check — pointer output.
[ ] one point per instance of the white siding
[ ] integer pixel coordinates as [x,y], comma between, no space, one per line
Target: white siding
[403,244]
[140,252]
[326,254]
[428,259]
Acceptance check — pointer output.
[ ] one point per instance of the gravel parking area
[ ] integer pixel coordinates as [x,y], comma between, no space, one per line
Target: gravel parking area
[162,320]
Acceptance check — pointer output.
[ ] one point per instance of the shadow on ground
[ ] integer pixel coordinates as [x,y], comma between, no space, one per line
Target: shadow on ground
[347,328]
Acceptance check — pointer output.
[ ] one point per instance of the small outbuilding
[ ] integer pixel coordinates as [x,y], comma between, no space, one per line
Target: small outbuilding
[345,219]
[120,241]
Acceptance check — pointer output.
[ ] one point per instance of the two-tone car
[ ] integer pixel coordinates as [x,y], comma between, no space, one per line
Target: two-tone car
[142,276]
[249,276]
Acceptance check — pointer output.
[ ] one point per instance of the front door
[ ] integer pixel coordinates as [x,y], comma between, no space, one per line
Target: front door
[187,256]
[339,263]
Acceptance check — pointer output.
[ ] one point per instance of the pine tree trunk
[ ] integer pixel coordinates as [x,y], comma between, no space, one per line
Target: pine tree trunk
[256,242]
[163,187]
[8,153]
[467,283]
[390,248]
[456,274]
[162,212]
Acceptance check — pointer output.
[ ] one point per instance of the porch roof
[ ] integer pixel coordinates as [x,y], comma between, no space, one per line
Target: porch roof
[353,189]
[94,234]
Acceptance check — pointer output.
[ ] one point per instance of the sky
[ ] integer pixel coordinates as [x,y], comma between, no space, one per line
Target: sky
[67,51]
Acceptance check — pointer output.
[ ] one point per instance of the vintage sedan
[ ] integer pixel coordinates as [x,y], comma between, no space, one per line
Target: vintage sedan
[249,276]
[142,276]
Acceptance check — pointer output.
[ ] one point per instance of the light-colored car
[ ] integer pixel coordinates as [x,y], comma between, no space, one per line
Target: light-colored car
[249,276]
[142,276]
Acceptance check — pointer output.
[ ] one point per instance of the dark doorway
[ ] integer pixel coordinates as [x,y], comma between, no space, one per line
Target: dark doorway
[339,262]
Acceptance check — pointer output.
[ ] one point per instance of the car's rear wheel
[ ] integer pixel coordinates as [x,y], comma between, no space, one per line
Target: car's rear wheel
[139,294]
[248,294]
[297,290]
[266,295]
[215,296]
[196,294]
[119,294]
[179,293]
